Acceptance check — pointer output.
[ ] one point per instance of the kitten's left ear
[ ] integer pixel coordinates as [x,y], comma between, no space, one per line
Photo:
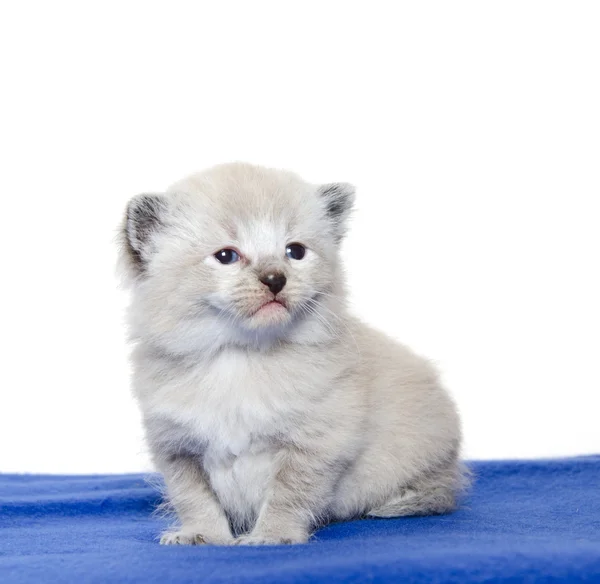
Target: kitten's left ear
[339,200]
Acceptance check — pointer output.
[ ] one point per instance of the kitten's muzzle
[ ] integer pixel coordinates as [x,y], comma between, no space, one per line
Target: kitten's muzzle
[274,280]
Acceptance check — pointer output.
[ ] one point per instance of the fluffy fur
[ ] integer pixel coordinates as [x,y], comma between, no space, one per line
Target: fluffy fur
[268,420]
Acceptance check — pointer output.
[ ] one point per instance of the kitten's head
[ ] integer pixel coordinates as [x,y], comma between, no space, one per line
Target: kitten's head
[237,254]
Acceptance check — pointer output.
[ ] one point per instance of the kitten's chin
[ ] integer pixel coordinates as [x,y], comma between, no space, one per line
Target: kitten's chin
[271,314]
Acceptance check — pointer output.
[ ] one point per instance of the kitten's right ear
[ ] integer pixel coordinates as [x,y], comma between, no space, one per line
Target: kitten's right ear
[144,217]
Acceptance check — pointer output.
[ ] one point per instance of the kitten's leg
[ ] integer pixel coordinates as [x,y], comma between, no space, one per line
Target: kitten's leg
[200,514]
[298,496]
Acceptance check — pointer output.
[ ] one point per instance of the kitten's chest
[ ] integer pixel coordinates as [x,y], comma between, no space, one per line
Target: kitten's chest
[236,400]
[235,413]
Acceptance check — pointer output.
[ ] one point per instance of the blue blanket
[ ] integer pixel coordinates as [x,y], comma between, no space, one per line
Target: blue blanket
[523,521]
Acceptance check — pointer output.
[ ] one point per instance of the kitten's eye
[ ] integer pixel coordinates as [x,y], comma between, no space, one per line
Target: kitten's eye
[227,256]
[295,251]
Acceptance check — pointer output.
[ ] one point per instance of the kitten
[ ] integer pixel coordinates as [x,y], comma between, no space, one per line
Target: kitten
[268,408]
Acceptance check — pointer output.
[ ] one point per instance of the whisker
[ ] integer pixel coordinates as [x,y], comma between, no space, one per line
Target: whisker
[341,321]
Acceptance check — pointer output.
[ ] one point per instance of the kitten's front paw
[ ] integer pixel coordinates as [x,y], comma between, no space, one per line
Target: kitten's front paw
[258,539]
[191,536]
[181,538]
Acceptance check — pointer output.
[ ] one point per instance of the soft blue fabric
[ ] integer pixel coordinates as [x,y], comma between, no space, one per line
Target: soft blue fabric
[523,522]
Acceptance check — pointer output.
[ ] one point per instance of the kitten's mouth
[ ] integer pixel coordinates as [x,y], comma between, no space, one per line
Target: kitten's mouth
[271,307]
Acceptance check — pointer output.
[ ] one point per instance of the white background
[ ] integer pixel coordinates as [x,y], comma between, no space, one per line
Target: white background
[472,130]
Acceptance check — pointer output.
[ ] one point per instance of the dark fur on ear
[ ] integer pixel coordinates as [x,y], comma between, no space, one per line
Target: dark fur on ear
[143,218]
[339,200]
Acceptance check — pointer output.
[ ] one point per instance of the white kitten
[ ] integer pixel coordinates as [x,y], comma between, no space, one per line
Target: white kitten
[268,408]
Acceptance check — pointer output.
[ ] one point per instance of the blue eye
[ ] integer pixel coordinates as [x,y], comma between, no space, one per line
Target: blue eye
[295,251]
[227,256]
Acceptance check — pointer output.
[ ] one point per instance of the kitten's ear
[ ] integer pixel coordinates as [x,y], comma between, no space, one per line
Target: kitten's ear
[144,217]
[339,200]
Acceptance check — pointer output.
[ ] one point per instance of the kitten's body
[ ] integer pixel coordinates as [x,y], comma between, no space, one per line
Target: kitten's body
[267,422]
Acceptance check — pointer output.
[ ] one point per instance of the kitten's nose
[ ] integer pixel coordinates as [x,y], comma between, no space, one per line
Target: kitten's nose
[274,280]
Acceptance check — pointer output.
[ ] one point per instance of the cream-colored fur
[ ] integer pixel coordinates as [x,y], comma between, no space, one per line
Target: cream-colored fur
[268,422]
